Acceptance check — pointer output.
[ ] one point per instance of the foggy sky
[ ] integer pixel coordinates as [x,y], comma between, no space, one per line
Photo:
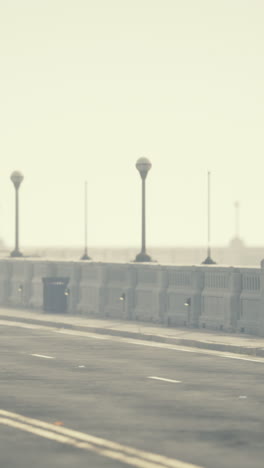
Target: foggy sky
[89,86]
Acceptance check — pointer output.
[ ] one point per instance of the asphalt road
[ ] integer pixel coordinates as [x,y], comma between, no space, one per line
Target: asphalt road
[209,411]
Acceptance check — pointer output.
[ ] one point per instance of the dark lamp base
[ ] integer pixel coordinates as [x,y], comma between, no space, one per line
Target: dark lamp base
[85,257]
[208,261]
[143,257]
[16,253]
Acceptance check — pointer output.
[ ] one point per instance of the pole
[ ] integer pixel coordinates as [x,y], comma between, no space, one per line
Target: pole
[208,260]
[16,177]
[208,215]
[143,256]
[85,217]
[143,243]
[85,254]
[17,221]
[16,252]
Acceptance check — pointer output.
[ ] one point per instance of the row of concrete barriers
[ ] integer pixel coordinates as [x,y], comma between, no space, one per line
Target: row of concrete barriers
[212,297]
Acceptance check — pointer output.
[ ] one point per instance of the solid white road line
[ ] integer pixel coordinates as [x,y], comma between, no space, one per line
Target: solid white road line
[154,344]
[42,356]
[134,341]
[10,323]
[165,380]
[104,447]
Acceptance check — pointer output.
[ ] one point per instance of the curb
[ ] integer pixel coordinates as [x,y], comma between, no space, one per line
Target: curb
[251,351]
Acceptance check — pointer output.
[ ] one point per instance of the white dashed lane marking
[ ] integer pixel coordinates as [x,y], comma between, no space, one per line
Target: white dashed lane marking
[42,356]
[165,380]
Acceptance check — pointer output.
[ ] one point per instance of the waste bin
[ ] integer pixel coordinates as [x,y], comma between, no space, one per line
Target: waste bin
[55,294]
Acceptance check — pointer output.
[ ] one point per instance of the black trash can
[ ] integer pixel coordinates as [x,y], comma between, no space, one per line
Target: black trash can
[55,294]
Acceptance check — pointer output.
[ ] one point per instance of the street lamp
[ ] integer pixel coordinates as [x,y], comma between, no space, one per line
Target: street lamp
[143,165]
[123,300]
[208,260]
[16,178]
[187,304]
[85,255]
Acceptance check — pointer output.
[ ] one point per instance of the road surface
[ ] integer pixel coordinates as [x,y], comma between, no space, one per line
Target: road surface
[77,399]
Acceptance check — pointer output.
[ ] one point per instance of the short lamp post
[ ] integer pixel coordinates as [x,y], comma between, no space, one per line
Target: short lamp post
[143,166]
[122,299]
[20,290]
[16,178]
[187,304]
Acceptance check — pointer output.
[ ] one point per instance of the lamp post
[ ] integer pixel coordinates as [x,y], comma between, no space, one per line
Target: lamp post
[187,304]
[208,260]
[143,165]
[16,178]
[85,254]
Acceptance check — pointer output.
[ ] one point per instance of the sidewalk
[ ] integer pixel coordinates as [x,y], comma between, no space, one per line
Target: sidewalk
[205,339]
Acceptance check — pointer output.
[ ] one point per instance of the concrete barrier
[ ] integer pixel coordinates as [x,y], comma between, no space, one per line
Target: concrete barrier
[220,298]
[40,270]
[91,289]
[184,295]
[223,298]
[146,302]
[20,282]
[5,281]
[70,270]
[251,310]
[115,291]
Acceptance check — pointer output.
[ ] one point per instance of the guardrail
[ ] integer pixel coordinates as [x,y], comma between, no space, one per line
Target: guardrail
[213,297]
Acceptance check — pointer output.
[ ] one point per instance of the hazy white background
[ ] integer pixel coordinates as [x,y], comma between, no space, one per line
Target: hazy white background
[89,86]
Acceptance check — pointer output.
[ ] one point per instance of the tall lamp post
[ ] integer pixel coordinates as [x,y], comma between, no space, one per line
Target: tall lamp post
[143,165]
[208,260]
[16,178]
[85,253]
